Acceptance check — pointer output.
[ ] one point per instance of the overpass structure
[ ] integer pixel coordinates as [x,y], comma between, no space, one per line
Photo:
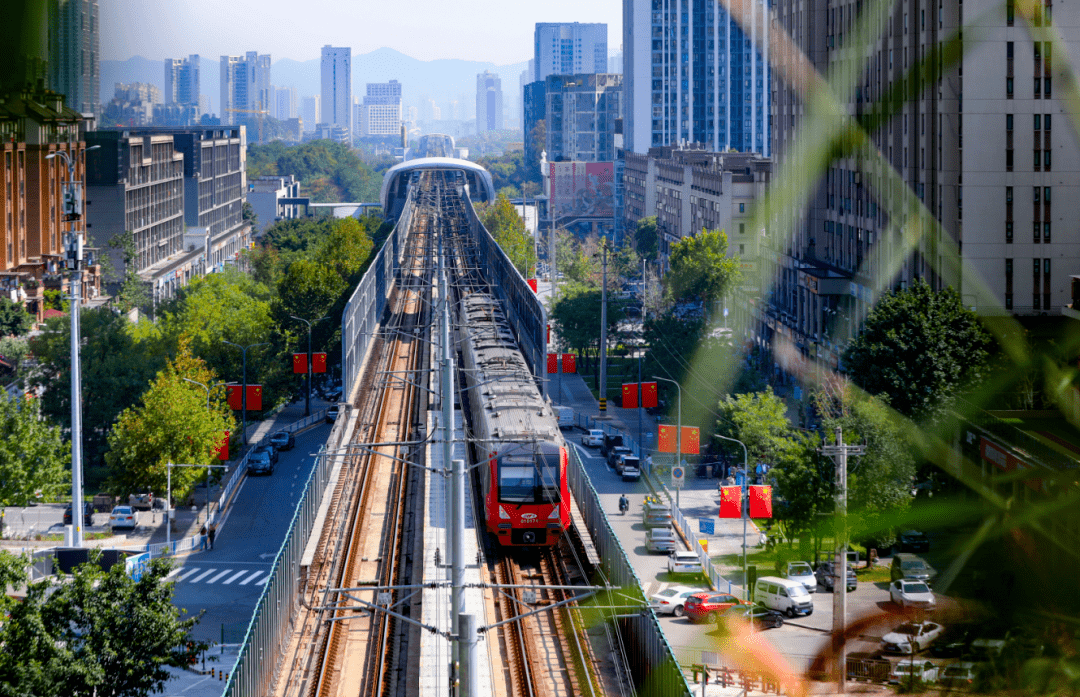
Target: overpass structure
[396,182]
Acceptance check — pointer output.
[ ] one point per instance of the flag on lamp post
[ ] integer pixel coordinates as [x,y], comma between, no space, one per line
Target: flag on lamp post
[731,502]
[553,363]
[318,362]
[648,395]
[690,438]
[760,501]
[299,363]
[569,363]
[254,397]
[223,449]
[234,396]
[665,442]
[629,395]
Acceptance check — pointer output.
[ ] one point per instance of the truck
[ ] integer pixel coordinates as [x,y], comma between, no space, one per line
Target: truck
[565,416]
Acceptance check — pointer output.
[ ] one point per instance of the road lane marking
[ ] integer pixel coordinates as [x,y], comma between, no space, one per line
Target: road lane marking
[238,575]
[218,577]
[187,573]
[252,577]
[174,572]
[203,575]
[263,582]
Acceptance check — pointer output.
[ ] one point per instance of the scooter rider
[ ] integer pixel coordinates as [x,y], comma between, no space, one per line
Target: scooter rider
[624,504]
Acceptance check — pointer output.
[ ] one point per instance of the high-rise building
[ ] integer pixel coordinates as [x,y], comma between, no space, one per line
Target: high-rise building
[695,77]
[581,113]
[133,104]
[534,108]
[75,53]
[245,86]
[569,48]
[285,104]
[311,114]
[380,113]
[337,87]
[489,102]
[182,80]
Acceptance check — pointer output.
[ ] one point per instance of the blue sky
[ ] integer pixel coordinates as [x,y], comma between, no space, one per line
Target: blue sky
[499,31]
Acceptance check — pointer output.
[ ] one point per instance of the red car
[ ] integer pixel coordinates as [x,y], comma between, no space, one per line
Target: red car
[702,607]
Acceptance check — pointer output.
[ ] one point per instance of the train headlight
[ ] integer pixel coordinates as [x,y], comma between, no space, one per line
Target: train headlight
[528,537]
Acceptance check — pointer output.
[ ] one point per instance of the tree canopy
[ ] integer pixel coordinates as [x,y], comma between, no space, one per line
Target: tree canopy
[647,238]
[14,319]
[328,171]
[920,347]
[575,318]
[700,268]
[501,219]
[33,457]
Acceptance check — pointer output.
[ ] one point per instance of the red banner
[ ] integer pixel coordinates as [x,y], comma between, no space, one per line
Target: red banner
[318,362]
[690,438]
[569,363]
[234,395]
[629,395]
[223,449]
[648,395]
[254,397]
[299,363]
[760,501]
[532,284]
[553,363]
[730,502]
[666,439]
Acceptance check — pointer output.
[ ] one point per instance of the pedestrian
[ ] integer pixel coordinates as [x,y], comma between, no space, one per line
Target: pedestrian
[210,534]
[648,463]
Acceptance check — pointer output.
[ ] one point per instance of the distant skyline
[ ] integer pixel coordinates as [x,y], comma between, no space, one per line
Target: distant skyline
[493,30]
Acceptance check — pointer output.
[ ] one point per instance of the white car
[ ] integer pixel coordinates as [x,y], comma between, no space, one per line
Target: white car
[684,563]
[959,674]
[123,517]
[910,593]
[911,637]
[800,571]
[593,439]
[671,601]
[905,671]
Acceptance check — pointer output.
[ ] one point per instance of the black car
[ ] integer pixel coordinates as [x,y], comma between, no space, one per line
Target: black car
[269,449]
[332,413]
[88,514]
[953,642]
[759,616]
[914,541]
[611,441]
[283,440]
[826,576]
[259,463]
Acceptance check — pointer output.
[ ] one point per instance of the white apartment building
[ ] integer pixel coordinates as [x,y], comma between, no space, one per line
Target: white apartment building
[568,48]
[381,112]
[245,86]
[337,87]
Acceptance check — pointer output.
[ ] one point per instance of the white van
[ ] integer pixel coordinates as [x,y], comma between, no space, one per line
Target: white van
[566,417]
[783,595]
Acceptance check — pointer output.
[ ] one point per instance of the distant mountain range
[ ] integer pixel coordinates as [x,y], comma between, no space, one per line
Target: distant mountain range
[440,80]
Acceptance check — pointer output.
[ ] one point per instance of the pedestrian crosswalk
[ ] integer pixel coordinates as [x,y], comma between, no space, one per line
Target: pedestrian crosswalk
[241,577]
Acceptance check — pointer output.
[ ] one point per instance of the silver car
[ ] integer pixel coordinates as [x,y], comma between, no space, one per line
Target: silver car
[800,571]
[911,593]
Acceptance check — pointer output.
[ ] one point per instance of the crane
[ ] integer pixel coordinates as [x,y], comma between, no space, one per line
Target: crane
[259,112]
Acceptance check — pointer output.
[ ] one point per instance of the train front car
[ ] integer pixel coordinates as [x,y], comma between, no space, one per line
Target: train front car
[524,484]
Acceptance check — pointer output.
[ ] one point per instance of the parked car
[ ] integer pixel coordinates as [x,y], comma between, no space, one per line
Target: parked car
[910,566]
[955,641]
[594,438]
[911,637]
[759,616]
[707,606]
[960,674]
[123,517]
[672,601]
[911,593]
[629,468]
[660,540]
[684,563]
[610,440]
[783,595]
[283,440]
[826,576]
[332,413]
[914,541]
[88,514]
[142,501]
[259,463]
[616,452]
[991,643]
[800,571]
[656,515]
[269,449]
[905,671]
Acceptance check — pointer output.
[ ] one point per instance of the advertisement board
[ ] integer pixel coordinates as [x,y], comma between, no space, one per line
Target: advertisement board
[582,189]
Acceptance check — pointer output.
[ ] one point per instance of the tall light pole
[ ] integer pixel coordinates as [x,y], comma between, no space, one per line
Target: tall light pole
[72,206]
[208,388]
[168,496]
[243,388]
[307,404]
[603,328]
[745,511]
[678,433]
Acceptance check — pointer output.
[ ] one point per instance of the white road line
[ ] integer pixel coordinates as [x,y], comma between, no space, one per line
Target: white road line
[263,582]
[238,575]
[252,577]
[203,575]
[187,573]
[218,577]
[174,572]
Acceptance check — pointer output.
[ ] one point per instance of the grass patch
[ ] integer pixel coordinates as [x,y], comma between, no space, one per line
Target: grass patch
[59,537]
[875,574]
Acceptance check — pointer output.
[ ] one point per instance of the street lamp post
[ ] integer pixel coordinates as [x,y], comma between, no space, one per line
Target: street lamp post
[243,388]
[745,510]
[307,404]
[603,329]
[73,210]
[168,497]
[208,389]
[678,433]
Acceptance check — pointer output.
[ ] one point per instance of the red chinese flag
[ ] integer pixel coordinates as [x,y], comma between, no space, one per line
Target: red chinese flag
[299,363]
[690,440]
[730,502]
[254,397]
[569,363]
[553,363]
[666,440]
[223,449]
[234,396]
[648,395]
[532,284]
[629,395]
[318,362]
[760,501]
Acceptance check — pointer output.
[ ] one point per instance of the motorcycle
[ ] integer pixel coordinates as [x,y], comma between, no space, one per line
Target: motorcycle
[624,505]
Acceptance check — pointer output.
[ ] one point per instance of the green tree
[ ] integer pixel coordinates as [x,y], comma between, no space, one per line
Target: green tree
[250,216]
[172,424]
[34,460]
[132,289]
[760,421]
[327,170]
[672,343]
[14,350]
[625,262]
[574,260]
[97,633]
[920,347]
[803,481]
[309,290]
[14,319]
[501,219]
[346,250]
[647,238]
[701,269]
[575,317]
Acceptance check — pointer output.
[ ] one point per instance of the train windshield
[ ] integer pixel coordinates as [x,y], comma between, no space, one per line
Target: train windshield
[530,481]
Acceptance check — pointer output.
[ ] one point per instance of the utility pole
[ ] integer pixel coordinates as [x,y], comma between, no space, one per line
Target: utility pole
[603,328]
[839,453]
[243,393]
[307,404]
